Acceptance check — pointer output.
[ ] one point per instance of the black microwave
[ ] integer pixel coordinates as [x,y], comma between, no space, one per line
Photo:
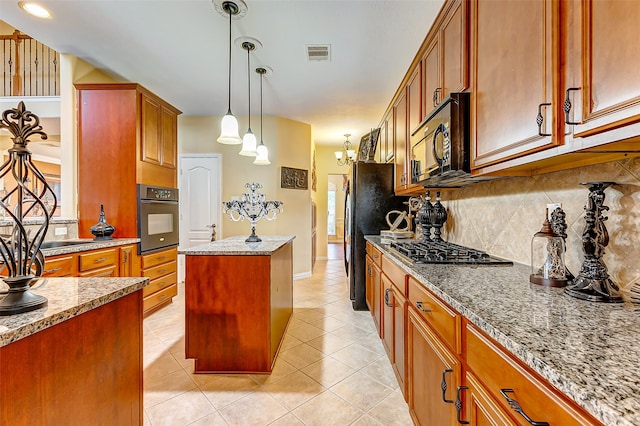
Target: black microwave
[440,146]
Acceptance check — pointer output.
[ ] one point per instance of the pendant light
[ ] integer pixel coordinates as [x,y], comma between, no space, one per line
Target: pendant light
[249,139]
[262,153]
[229,125]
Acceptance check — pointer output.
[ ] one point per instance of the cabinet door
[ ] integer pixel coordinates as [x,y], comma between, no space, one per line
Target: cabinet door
[400,141]
[151,130]
[603,65]
[513,71]
[399,330]
[169,145]
[368,282]
[414,102]
[60,266]
[387,315]
[377,297]
[129,262]
[482,409]
[431,71]
[383,140]
[431,367]
[454,48]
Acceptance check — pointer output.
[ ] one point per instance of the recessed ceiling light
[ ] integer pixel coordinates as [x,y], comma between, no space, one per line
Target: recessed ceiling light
[35,10]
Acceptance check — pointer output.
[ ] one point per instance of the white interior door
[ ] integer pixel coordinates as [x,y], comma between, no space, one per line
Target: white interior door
[200,184]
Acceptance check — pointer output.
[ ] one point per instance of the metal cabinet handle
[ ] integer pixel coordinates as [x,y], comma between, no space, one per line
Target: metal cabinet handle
[369,270]
[436,96]
[515,406]
[458,404]
[443,386]
[540,120]
[49,271]
[422,308]
[566,106]
[100,260]
[386,298]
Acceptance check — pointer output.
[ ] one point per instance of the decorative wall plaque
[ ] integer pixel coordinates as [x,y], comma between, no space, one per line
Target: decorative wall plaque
[368,144]
[314,179]
[291,178]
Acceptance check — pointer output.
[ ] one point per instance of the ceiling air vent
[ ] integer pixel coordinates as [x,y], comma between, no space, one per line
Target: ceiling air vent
[318,52]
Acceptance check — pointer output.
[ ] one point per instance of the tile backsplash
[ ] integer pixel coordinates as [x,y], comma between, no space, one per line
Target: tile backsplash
[501,216]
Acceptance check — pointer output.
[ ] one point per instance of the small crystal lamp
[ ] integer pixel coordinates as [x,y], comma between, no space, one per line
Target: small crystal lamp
[547,258]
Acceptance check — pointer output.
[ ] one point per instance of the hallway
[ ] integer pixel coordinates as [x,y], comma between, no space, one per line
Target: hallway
[331,369]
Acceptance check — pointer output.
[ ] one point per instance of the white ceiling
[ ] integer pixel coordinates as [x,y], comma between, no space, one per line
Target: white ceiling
[178,49]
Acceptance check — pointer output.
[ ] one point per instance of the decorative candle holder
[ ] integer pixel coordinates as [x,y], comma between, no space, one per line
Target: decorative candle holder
[253,206]
[439,218]
[593,282]
[425,217]
[20,251]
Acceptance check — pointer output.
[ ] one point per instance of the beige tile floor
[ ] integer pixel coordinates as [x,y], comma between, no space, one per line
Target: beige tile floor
[331,369]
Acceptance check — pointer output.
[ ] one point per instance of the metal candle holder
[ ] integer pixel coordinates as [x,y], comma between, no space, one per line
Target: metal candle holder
[253,206]
[593,282]
[20,251]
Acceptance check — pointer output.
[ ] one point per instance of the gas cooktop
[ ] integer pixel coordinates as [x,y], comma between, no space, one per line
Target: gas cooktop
[444,253]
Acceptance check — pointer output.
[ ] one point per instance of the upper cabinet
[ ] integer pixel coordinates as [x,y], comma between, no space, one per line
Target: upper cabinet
[445,60]
[513,72]
[602,91]
[400,141]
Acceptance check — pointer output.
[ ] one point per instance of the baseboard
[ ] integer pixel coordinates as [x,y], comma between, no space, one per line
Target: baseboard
[301,275]
[322,258]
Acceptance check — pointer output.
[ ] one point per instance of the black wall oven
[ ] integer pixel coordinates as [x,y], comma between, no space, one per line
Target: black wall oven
[158,226]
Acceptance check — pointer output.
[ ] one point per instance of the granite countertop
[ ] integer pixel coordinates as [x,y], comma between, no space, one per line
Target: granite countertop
[67,298]
[589,351]
[236,246]
[89,244]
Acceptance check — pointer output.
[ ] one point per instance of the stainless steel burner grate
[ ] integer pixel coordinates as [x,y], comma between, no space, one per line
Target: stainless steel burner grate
[445,253]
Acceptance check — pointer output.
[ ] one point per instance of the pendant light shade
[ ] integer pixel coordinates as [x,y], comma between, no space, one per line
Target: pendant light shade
[249,139]
[262,153]
[229,125]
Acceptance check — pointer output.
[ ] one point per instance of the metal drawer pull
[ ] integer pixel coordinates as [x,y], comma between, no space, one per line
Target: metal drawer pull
[162,296]
[566,106]
[515,406]
[100,260]
[421,308]
[540,120]
[162,257]
[49,271]
[458,404]
[369,270]
[443,386]
[386,298]
[162,271]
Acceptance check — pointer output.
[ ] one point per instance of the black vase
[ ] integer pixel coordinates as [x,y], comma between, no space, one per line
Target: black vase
[102,230]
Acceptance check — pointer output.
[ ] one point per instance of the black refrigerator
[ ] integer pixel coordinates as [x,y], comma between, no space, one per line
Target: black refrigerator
[369,197]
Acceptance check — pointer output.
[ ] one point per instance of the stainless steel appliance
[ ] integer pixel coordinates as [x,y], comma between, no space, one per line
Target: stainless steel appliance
[444,253]
[440,147]
[157,218]
[369,197]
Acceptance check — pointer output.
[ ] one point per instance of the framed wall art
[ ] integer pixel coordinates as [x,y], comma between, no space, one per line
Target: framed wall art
[291,178]
[368,144]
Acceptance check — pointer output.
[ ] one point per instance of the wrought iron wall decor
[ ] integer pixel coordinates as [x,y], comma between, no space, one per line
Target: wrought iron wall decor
[593,282]
[20,250]
[314,179]
[253,206]
[291,178]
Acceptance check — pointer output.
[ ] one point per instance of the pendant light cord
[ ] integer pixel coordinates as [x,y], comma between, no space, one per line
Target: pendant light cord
[249,83]
[229,11]
[261,75]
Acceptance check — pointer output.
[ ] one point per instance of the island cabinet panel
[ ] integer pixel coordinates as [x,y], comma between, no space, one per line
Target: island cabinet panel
[514,67]
[498,371]
[602,65]
[86,370]
[237,310]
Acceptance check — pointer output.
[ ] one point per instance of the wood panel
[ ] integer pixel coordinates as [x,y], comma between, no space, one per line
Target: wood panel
[454,49]
[482,409]
[151,132]
[399,342]
[431,70]
[98,259]
[281,297]
[154,259]
[84,371]
[60,266]
[400,141]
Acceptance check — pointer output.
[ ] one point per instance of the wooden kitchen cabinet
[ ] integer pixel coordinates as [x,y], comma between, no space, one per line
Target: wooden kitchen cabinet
[400,142]
[393,281]
[129,261]
[385,140]
[514,69]
[502,376]
[373,285]
[60,266]
[158,142]
[160,267]
[482,409]
[602,65]
[446,60]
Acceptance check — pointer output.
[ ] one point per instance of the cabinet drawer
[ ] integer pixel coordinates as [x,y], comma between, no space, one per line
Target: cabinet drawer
[59,267]
[376,255]
[159,297]
[395,274]
[443,319]
[110,271]
[154,259]
[98,259]
[160,270]
[498,371]
[159,284]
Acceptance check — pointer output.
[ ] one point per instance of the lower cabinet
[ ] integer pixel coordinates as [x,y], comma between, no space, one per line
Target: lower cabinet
[161,269]
[393,284]
[482,409]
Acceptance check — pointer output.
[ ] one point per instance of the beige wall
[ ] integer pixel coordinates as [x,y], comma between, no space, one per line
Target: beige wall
[501,216]
[289,144]
[326,165]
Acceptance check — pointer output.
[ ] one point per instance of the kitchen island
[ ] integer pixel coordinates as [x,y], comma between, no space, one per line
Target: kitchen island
[77,361]
[238,300]
[584,355]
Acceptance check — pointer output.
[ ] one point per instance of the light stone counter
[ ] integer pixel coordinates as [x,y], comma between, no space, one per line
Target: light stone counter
[236,246]
[67,298]
[89,244]
[589,351]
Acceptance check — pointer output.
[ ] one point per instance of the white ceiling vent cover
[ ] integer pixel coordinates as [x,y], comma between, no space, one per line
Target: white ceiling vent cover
[318,52]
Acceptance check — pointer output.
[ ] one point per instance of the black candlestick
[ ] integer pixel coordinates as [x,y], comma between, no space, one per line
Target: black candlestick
[439,218]
[425,216]
[593,282]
